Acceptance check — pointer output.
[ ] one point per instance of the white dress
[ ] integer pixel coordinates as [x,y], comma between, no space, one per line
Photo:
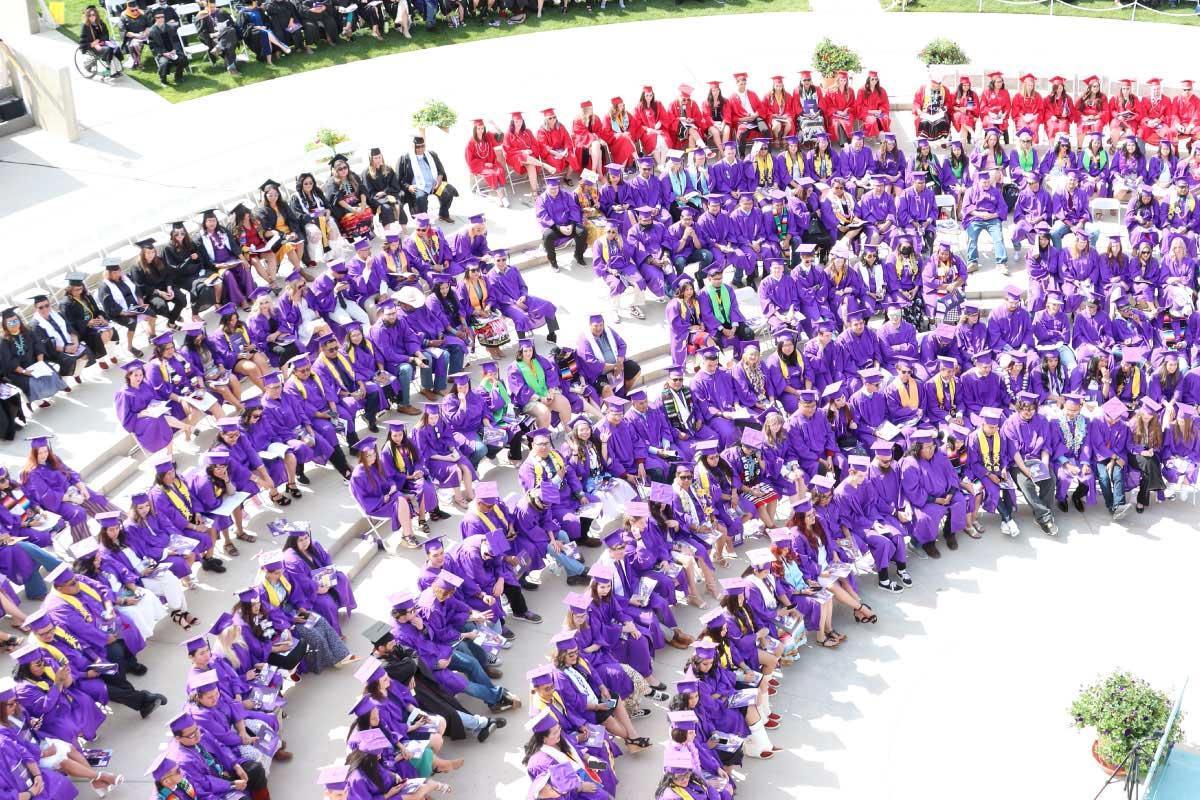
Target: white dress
[145,614]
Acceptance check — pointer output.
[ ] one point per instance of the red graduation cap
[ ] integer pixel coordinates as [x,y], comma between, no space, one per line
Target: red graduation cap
[872,73]
[477,122]
[715,84]
[965,79]
[586,104]
[517,115]
[1029,76]
[647,89]
[1154,82]
[1127,82]
[1091,79]
[843,74]
[547,112]
[685,90]
[1186,83]
[739,76]
[1058,79]
[995,74]
[777,78]
[616,101]
[806,74]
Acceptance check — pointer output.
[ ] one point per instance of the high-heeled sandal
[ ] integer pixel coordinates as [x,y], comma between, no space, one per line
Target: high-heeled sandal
[294,490]
[281,499]
[869,617]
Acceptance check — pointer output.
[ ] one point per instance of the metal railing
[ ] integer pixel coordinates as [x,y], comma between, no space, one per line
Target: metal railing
[1133,7]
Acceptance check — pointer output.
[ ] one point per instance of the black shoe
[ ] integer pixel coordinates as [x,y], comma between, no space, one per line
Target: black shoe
[529,587]
[437,514]
[373,426]
[529,616]
[931,550]
[302,479]
[581,579]
[137,353]
[951,541]
[1078,502]
[1062,505]
[148,707]
[579,261]
[590,541]
[486,730]
[137,668]
[508,634]
[212,564]
[506,703]
[554,266]
[552,337]
[493,672]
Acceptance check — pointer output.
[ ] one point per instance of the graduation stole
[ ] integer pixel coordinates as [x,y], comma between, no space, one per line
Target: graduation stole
[302,389]
[534,375]
[903,261]
[498,386]
[1135,386]
[743,620]
[764,168]
[720,302]
[940,388]
[273,597]
[54,652]
[705,494]
[391,262]
[1185,211]
[781,224]
[725,656]
[792,161]
[933,99]
[619,121]
[690,310]
[352,351]
[539,472]
[87,311]
[177,493]
[909,398]
[76,604]
[1073,433]
[989,450]
[1099,159]
[589,196]
[604,246]
[398,457]
[822,164]
[477,292]
[423,246]
[487,523]
[785,370]
[167,370]
[345,365]
[843,207]
[682,793]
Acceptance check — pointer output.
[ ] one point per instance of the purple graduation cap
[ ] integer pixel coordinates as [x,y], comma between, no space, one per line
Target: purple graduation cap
[542,722]
[733,587]
[637,509]
[713,618]
[271,561]
[683,720]
[753,438]
[84,548]
[991,415]
[564,641]
[370,740]
[402,601]
[370,670]
[871,375]
[109,519]
[601,572]
[203,681]
[1115,409]
[335,778]
[705,648]
[578,602]
[540,675]
[708,447]
[487,491]
[248,595]
[221,623]
[804,505]
[161,767]
[821,484]
[497,543]
[195,644]
[614,538]
[1149,405]
[60,575]
[447,580]
[180,722]
[859,463]
[661,493]
[433,544]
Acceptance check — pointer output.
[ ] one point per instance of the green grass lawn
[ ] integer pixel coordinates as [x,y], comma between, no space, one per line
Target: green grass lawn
[206,79]
[1096,9]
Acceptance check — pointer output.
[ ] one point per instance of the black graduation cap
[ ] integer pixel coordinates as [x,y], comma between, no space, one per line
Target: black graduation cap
[375,151]
[378,633]
[336,158]
[267,184]
[76,278]
[208,212]
[11,311]
[178,226]
[239,210]
[38,298]
[111,263]
[418,140]
[146,244]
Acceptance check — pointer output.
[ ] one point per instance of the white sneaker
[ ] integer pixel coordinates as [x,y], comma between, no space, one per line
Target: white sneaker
[1120,511]
[1012,529]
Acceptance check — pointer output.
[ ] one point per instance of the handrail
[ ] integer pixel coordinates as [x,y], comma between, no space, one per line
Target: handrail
[5,50]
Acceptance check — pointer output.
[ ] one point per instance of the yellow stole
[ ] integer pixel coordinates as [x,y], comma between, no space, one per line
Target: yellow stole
[299,384]
[76,604]
[487,522]
[177,500]
[477,293]
[989,450]
[272,596]
[939,388]
[345,365]
[908,396]
[539,470]
[398,458]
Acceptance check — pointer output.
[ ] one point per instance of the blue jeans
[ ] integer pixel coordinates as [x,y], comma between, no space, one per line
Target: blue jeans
[995,231]
[442,361]
[404,376]
[1060,229]
[35,584]
[473,723]
[1112,484]
[569,565]
[1067,356]
[479,685]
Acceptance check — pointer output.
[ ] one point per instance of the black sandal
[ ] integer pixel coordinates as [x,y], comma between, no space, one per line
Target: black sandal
[11,643]
[641,741]
[281,499]
[294,490]
[871,618]
[828,641]
[423,524]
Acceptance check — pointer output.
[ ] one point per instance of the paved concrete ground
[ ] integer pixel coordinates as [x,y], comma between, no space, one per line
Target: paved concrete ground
[965,681]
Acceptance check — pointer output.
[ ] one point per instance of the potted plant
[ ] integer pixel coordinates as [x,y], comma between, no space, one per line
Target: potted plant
[329,139]
[1125,711]
[830,58]
[435,114]
[943,51]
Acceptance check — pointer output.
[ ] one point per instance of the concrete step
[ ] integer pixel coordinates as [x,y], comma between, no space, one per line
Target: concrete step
[111,478]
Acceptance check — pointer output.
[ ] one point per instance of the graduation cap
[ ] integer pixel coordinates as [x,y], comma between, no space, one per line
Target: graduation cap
[267,184]
[333,162]
[335,778]
[161,767]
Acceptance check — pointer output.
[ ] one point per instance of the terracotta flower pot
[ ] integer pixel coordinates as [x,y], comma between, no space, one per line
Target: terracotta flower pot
[1111,769]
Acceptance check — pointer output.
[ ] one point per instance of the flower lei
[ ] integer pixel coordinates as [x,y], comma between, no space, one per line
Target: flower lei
[1073,433]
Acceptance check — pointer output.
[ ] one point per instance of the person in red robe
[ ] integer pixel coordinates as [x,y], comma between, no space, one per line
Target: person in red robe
[1124,112]
[522,151]
[1058,109]
[745,111]
[655,124]
[624,130]
[587,135]
[485,158]
[1027,106]
[872,107]
[995,104]
[1091,109]
[1187,115]
[557,148]
[967,108]
[1157,112]
[716,109]
[778,111]
[933,110]
[839,109]
[691,123]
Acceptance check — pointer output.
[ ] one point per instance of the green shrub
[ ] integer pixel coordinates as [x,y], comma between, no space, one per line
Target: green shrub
[1123,710]
[434,114]
[829,58]
[943,51]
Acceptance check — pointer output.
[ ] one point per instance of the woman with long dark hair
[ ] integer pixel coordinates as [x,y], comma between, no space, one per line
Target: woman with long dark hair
[57,488]
[1145,449]
[377,495]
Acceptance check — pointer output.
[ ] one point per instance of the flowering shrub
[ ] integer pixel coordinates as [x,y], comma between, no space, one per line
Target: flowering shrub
[1123,710]
[327,137]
